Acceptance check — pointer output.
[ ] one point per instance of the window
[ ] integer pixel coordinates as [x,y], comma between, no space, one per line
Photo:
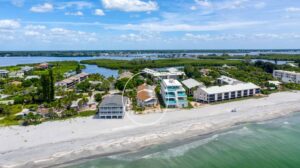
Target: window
[239,94]
[232,95]
[220,96]
[257,91]
[226,96]
[245,92]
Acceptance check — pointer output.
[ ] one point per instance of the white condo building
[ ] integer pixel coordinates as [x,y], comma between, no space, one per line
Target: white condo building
[226,92]
[173,94]
[170,73]
[287,76]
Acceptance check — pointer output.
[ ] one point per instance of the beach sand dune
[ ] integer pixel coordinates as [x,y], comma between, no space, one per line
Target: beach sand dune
[54,143]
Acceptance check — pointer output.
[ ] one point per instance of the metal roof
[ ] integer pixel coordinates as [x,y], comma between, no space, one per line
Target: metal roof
[191,83]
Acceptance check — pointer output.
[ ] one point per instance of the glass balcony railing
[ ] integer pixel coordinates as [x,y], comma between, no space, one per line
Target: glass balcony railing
[171,102]
[181,94]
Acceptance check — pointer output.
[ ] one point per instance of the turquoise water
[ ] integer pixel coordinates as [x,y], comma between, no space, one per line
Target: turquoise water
[272,144]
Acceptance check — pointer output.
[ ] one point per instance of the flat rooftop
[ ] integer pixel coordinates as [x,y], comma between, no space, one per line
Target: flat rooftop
[229,88]
[171,82]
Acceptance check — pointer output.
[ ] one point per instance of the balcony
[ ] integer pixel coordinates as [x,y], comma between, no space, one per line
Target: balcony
[181,94]
[170,95]
[171,102]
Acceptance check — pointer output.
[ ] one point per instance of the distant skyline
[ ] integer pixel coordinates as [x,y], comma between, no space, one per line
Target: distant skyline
[145,24]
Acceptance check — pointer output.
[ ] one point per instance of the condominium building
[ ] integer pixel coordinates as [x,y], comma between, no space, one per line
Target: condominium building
[113,107]
[225,92]
[173,94]
[287,76]
[170,73]
[72,81]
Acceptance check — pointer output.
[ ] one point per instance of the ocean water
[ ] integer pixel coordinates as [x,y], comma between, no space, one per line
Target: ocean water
[271,144]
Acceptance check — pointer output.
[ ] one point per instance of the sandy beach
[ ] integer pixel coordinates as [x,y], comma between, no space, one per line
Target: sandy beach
[54,143]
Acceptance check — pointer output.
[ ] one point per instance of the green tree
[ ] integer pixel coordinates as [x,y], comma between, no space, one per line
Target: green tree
[45,84]
[78,69]
[98,97]
[51,86]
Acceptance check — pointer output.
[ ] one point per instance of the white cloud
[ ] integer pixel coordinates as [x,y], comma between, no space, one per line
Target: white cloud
[9,24]
[18,3]
[99,12]
[209,37]
[35,27]
[78,13]
[77,4]
[228,4]
[292,9]
[138,37]
[164,27]
[46,7]
[252,36]
[31,33]
[130,5]
[193,8]
[260,5]
[203,3]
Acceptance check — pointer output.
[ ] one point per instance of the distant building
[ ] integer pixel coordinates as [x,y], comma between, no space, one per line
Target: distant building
[171,73]
[192,85]
[146,96]
[43,66]
[173,94]
[16,74]
[226,92]
[125,74]
[113,107]
[275,83]
[3,73]
[69,73]
[32,77]
[225,80]
[72,81]
[287,76]
[26,69]
[16,83]
[205,72]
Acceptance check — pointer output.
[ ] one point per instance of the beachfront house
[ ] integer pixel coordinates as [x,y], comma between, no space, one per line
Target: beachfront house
[146,96]
[173,94]
[225,92]
[3,73]
[169,73]
[73,80]
[191,85]
[287,76]
[113,107]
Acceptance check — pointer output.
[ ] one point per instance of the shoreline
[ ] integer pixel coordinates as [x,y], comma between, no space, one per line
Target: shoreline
[43,150]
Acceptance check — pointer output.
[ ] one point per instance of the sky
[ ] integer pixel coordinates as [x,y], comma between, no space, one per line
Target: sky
[149,24]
